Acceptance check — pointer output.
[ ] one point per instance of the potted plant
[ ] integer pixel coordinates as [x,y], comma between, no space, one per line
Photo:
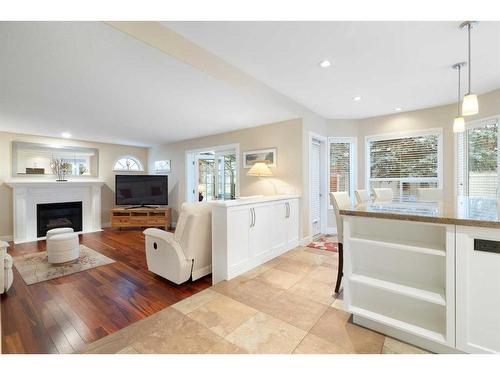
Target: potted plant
[60,168]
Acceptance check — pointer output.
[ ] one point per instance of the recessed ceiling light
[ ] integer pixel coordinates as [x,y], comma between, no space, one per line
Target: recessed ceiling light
[398,109]
[325,64]
[357,98]
[66,135]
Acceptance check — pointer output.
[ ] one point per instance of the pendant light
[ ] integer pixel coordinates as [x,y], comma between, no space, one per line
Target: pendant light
[470,105]
[459,123]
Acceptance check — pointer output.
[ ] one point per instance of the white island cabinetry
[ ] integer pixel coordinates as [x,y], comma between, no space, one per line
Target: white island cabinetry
[427,273]
[249,232]
[478,290]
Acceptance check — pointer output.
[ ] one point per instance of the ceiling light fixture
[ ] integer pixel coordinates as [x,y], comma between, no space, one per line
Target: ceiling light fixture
[357,98]
[398,109]
[325,64]
[66,135]
[459,122]
[470,105]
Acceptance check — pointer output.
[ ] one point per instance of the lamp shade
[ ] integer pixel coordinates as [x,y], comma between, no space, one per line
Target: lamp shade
[202,188]
[458,125]
[260,170]
[469,105]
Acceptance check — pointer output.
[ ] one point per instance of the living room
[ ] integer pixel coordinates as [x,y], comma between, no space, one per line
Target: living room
[249,187]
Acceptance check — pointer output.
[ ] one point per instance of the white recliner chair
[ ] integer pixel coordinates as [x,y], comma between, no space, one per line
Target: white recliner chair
[187,252]
[6,275]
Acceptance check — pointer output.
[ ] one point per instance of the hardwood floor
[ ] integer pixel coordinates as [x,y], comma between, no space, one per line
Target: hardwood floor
[64,314]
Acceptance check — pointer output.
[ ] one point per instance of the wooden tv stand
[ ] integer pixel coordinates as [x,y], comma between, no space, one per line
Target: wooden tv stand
[141,217]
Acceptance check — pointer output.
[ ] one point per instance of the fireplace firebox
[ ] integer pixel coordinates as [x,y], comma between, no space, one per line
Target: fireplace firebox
[58,215]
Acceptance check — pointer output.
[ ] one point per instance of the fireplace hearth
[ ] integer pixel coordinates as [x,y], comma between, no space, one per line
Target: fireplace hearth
[58,215]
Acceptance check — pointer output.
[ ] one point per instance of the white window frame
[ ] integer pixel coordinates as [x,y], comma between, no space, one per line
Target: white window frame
[163,171]
[470,125]
[134,158]
[353,142]
[406,134]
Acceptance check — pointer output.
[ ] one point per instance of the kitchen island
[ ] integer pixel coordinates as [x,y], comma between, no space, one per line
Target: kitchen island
[427,273]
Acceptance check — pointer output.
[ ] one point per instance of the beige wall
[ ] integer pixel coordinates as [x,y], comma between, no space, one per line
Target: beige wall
[108,154]
[437,117]
[429,118]
[286,136]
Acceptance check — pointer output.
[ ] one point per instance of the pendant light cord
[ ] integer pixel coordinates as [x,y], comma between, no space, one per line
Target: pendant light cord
[469,26]
[458,101]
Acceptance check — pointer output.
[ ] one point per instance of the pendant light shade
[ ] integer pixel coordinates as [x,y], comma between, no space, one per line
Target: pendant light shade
[458,125]
[470,105]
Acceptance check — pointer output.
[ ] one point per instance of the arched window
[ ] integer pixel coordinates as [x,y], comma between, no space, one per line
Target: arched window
[127,164]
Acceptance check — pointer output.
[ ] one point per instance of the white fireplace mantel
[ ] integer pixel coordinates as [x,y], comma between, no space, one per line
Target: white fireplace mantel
[28,193]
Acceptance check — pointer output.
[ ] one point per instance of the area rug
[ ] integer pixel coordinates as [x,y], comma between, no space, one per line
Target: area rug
[35,268]
[325,242]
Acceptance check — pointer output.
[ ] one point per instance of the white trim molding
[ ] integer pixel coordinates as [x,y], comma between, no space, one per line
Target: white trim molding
[323,181]
[27,194]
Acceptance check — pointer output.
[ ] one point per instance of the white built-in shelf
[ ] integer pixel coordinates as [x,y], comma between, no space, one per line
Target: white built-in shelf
[437,296]
[398,324]
[412,246]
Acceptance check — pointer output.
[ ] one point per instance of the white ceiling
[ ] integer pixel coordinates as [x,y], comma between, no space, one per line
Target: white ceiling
[390,64]
[97,83]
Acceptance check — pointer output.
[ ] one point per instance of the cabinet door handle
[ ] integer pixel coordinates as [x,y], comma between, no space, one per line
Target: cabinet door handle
[254,217]
[287,205]
[251,217]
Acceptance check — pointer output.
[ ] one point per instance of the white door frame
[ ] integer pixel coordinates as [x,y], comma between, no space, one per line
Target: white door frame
[323,180]
[190,182]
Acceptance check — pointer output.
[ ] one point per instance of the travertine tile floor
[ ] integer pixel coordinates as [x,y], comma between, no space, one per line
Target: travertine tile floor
[284,306]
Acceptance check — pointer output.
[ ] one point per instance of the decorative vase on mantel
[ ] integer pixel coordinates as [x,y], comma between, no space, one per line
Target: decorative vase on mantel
[61,169]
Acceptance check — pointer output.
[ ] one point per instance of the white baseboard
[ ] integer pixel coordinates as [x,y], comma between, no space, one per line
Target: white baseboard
[7,238]
[331,230]
[305,241]
[404,336]
[201,272]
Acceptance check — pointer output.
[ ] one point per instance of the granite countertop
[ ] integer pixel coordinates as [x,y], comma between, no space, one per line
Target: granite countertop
[469,211]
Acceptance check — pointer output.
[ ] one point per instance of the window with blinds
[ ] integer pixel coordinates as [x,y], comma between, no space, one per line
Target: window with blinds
[477,159]
[404,163]
[342,168]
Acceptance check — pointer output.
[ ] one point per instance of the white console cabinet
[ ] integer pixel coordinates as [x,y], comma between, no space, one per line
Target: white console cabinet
[249,232]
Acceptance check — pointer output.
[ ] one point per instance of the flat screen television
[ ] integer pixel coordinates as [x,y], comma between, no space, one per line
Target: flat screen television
[141,190]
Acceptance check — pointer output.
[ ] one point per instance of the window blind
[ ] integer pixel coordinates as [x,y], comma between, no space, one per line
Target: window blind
[477,164]
[340,166]
[410,157]
[404,163]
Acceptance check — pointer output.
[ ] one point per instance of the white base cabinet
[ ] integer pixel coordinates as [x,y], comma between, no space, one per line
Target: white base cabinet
[433,285]
[478,290]
[247,233]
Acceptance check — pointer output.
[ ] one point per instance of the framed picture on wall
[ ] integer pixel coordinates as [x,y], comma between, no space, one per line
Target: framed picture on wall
[267,156]
[162,166]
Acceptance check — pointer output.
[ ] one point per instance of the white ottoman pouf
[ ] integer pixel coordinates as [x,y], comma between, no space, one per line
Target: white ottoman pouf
[63,248]
[55,231]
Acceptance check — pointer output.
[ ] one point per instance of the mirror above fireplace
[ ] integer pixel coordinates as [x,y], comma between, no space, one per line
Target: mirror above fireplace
[34,159]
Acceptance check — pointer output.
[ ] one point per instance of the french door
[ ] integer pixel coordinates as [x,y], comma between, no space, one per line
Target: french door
[213,175]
